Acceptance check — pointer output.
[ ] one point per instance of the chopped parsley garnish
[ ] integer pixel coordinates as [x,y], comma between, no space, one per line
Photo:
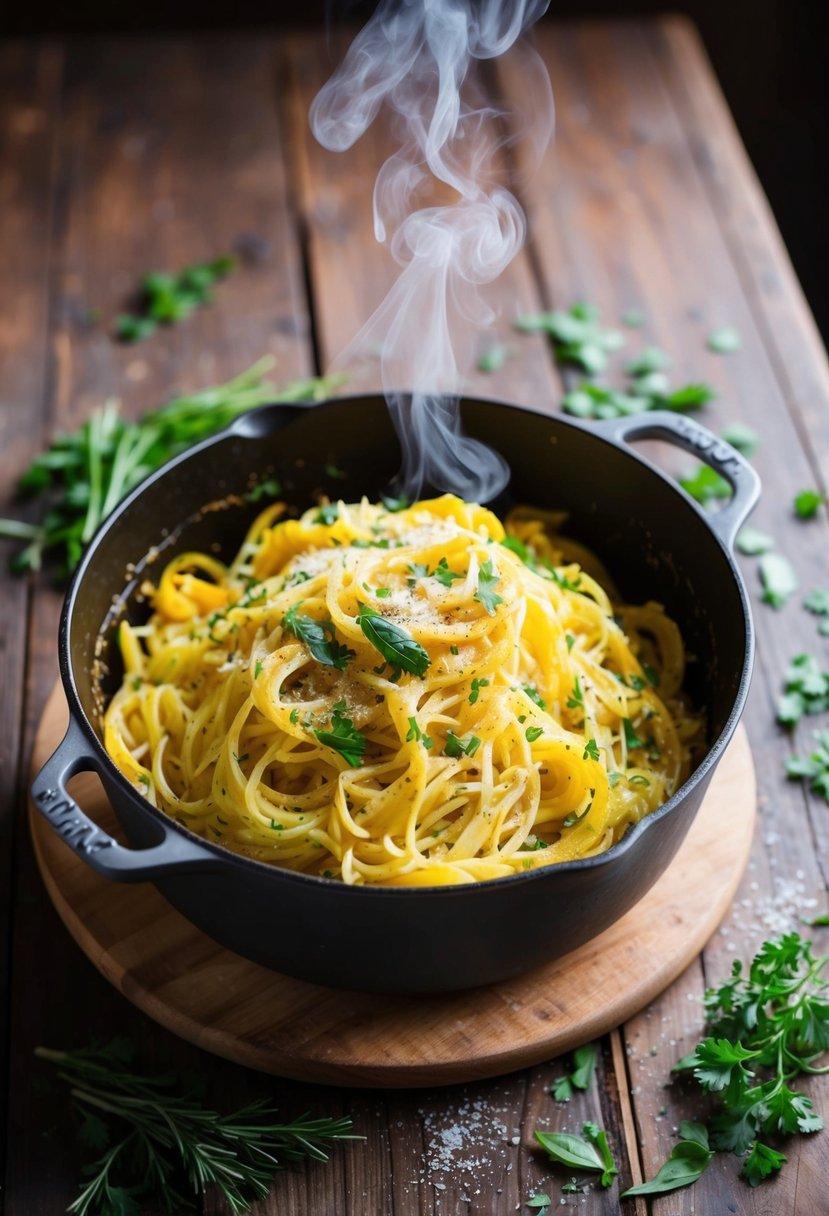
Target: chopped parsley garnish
[319,637]
[817,601]
[638,779]
[520,549]
[576,698]
[778,578]
[394,643]
[487,582]
[444,575]
[240,760]
[456,746]
[705,485]
[293,716]
[742,437]
[613,779]
[453,650]
[806,690]
[752,542]
[570,640]
[166,298]
[724,341]
[632,740]
[257,669]
[813,768]
[395,504]
[534,695]
[591,750]
[807,503]
[343,737]
[493,359]
[577,336]
[383,593]
[327,514]
[416,735]
[477,685]
[533,732]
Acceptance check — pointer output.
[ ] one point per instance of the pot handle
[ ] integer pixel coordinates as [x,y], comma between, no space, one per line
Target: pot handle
[689,435]
[173,855]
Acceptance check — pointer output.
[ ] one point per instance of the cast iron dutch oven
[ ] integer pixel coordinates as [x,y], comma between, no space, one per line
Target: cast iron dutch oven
[657,544]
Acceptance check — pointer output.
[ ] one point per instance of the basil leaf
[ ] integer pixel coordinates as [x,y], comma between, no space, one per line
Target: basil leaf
[687,1162]
[394,643]
[584,1059]
[318,636]
[570,1150]
[778,578]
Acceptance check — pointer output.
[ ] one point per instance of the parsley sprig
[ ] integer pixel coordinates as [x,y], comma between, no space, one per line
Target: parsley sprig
[767,1025]
[163,1150]
[343,737]
[83,475]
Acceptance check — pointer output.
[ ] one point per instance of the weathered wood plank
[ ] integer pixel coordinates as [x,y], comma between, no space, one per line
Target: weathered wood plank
[30,78]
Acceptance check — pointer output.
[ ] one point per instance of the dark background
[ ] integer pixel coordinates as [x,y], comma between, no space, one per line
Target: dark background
[768,55]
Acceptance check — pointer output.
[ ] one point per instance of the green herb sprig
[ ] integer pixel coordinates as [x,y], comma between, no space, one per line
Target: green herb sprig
[343,736]
[164,1150]
[767,1025]
[813,768]
[584,1066]
[83,475]
[167,298]
[806,690]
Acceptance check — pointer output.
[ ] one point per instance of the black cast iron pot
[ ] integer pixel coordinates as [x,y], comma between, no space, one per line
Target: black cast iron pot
[657,544]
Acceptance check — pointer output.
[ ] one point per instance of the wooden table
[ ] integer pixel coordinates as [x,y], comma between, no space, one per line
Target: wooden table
[120,156]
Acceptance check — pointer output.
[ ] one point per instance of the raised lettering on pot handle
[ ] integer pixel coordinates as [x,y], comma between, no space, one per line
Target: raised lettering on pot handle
[689,435]
[174,854]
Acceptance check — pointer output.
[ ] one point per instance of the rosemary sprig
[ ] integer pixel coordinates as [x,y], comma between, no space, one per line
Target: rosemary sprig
[167,1149]
[83,475]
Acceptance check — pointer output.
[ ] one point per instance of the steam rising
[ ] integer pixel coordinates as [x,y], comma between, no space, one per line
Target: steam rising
[415,56]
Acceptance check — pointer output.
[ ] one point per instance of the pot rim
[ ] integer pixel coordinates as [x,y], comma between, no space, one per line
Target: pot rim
[612,434]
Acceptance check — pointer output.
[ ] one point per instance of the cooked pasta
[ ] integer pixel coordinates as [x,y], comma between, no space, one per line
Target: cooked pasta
[415,697]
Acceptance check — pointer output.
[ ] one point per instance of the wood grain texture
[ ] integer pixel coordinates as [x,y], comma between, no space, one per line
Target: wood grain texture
[271,1022]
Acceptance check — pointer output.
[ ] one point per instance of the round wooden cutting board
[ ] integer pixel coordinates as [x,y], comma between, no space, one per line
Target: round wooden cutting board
[264,1020]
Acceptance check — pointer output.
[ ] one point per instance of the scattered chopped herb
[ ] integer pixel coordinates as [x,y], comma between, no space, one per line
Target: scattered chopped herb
[328,514]
[742,437]
[319,637]
[576,698]
[335,473]
[166,1149]
[493,359]
[807,503]
[813,768]
[778,578]
[633,318]
[651,359]
[488,580]
[584,1065]
[457,747]
[453,650]
[416,735]
[591,750]
[240,760]
[444,575]
[632,740]
[724,341]
[570,640]
[383,593]
[576,816]
[753,542]
[806,690]
[264,489]
[394,643]
[638,779]
[477,685]
[343,737]
[533,732]
[293,716]
[257,669]
[534,695]
[705,485]
[395,504]
[166,298]
[520,549]
[817,601]
[577,337]
[613,779]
